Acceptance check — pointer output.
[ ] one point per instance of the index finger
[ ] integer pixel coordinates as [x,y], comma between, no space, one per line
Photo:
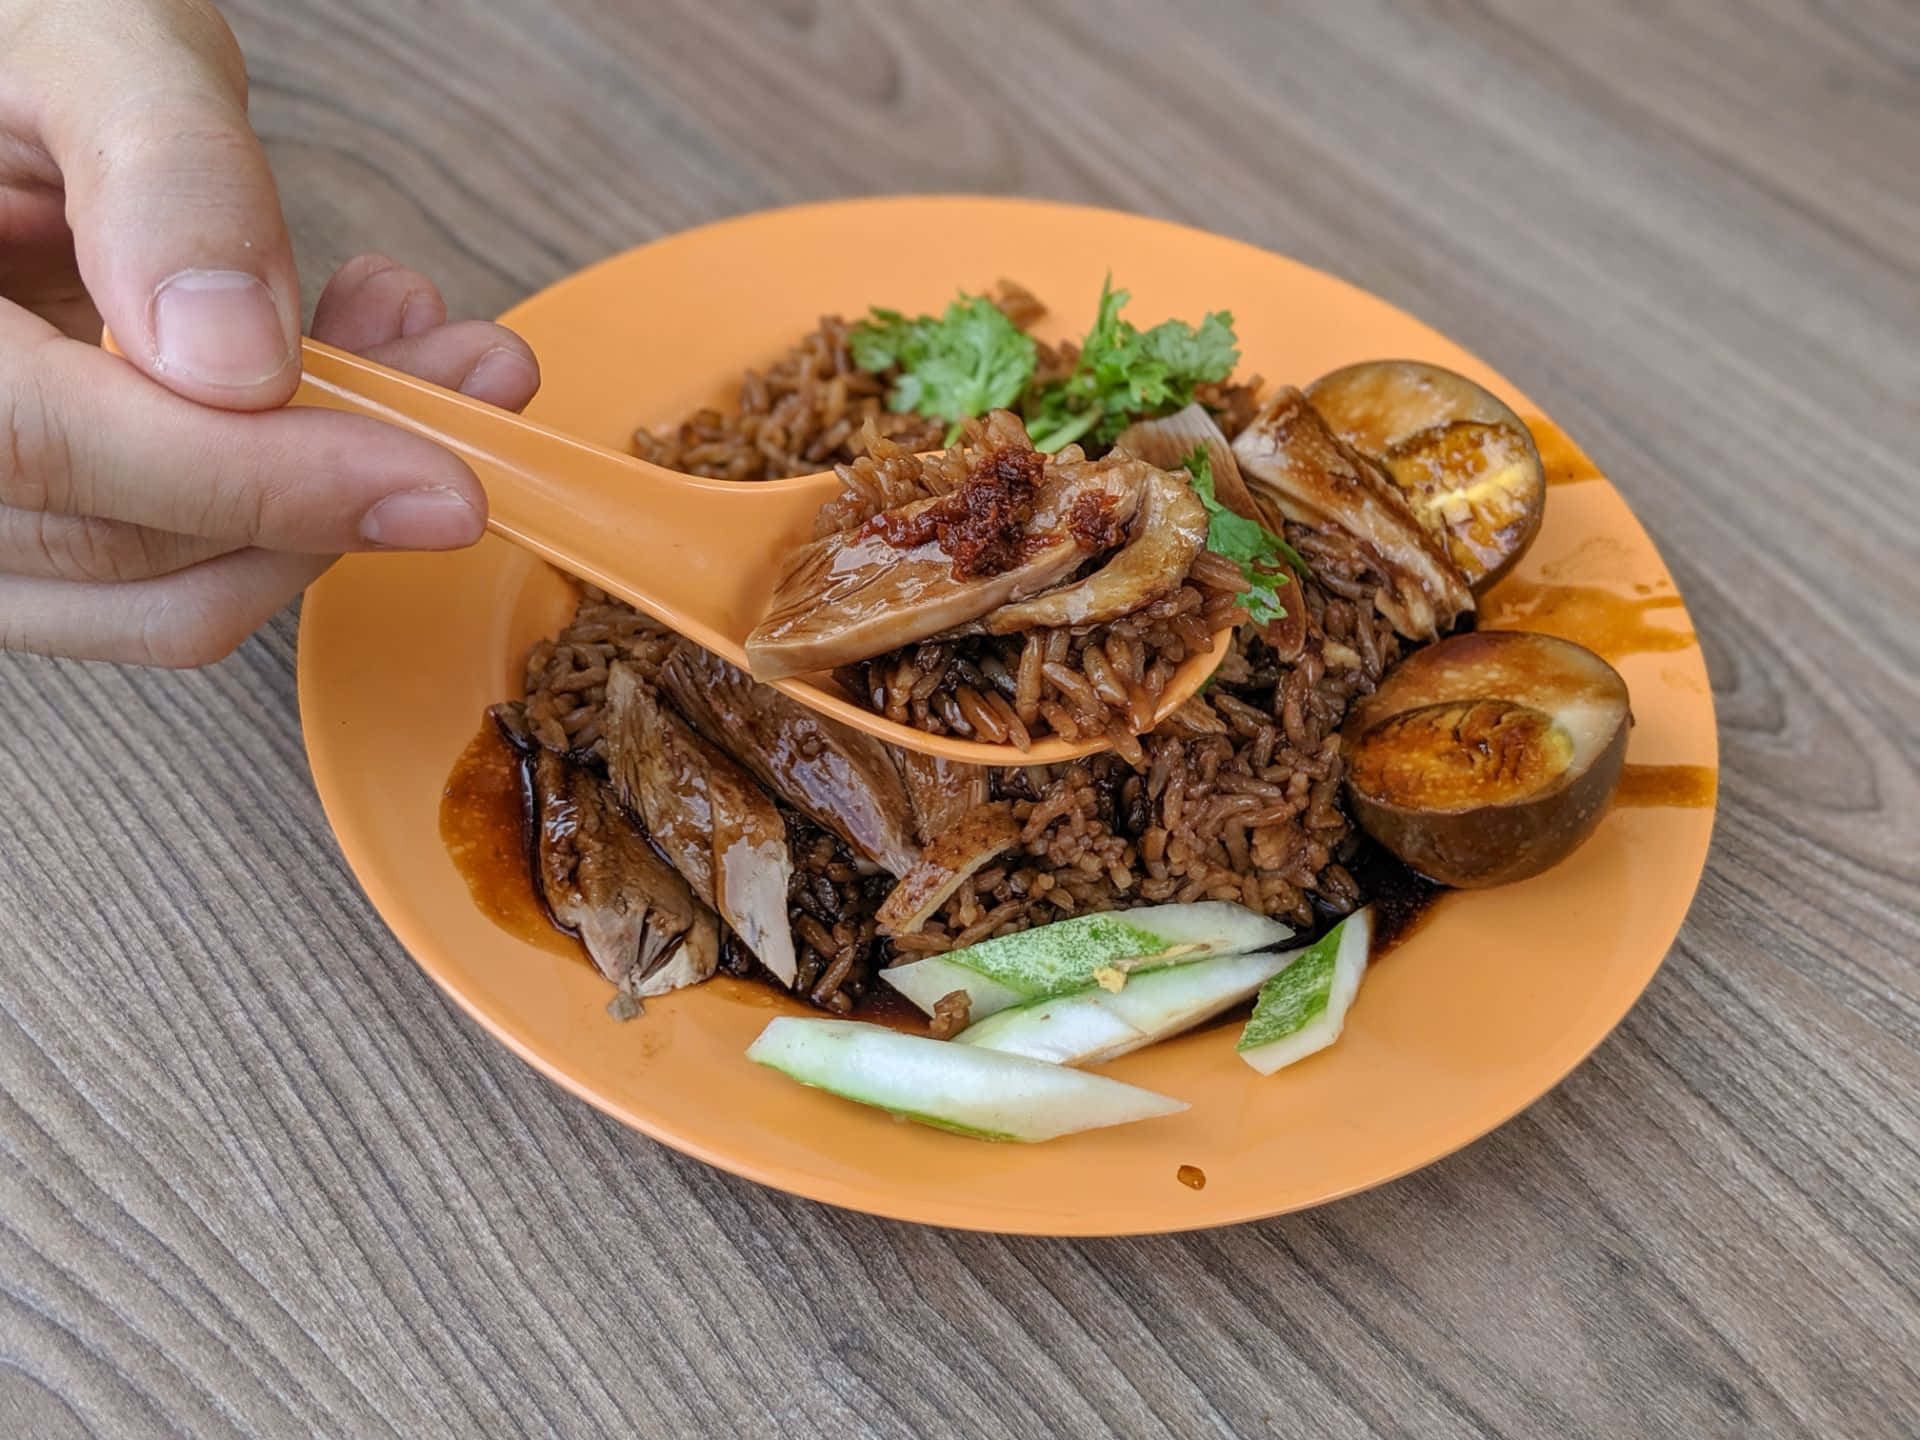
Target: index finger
[90,436]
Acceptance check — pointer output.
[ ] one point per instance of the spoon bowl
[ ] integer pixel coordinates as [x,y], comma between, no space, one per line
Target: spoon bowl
[701,556]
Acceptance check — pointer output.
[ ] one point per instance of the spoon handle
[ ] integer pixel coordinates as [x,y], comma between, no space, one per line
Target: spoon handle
[696,554]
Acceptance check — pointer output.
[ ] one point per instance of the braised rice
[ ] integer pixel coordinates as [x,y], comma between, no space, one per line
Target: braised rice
[1235,798]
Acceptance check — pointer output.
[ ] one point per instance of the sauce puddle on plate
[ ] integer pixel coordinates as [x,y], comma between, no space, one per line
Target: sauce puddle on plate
[1561,460]
[1689,786]
[483,823]
[1191,1176]
[1603,620]
[1401,897]
[1607,623]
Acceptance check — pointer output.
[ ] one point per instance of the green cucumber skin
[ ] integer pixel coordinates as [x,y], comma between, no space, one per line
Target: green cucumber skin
[1071,950]
[1154,1005]
[1297,996]
[1061,958]
[1019,1099]
[1294,1016]
[952,1127]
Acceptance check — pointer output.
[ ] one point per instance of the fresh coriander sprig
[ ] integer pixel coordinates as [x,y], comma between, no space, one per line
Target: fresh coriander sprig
[1258,552]
[1125,374]
[966,362]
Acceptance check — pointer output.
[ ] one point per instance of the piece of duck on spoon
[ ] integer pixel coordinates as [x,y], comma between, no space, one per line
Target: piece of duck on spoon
[700,556]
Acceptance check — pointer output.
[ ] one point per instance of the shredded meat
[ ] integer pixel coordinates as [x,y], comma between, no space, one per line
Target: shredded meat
[1093,524]
[952,1013]
[980,524]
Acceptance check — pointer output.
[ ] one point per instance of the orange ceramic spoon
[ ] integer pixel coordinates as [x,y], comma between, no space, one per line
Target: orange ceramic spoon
[698,555]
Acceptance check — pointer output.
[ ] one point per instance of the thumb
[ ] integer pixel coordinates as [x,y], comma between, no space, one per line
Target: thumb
[176,223]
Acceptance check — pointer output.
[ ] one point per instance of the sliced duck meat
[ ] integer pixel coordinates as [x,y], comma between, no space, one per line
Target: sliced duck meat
[721,831]
[931,566]
[941,790]
[601,879]
[1169,529]
[1294,463]
[1169,442]
[843,779]
[980,835]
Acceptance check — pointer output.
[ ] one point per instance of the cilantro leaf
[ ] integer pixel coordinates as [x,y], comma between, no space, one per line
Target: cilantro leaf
[1208,353]
[1124,374]
[964,363]
[878,342]
[1260,554]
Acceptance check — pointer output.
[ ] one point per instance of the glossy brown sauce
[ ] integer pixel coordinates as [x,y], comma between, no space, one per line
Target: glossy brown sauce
[1689,786]
[1608,623]
[1191,1176]
[1401,897]
[884,1005]
[483,823]
[1560,458]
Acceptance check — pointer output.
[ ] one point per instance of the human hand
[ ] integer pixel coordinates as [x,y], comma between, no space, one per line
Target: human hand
[158,509]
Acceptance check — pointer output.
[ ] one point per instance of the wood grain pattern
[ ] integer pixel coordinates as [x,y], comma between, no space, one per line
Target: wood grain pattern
[260,1178]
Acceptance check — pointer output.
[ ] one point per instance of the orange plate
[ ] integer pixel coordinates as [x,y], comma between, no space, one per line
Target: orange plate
[1483,1010]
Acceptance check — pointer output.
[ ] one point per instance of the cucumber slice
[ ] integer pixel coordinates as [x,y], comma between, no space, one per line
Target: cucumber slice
[1070,955]
[961,1088]
[1094,1025]
[1303,1008]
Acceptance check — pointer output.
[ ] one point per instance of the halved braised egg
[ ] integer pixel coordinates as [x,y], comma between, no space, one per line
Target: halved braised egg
[1466,463]
[1488,757]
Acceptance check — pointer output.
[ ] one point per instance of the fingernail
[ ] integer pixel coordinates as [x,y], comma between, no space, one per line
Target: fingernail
[435,518]
[500,369]
[218,327]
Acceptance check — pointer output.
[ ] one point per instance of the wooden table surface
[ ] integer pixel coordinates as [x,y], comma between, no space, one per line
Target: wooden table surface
[260,1177]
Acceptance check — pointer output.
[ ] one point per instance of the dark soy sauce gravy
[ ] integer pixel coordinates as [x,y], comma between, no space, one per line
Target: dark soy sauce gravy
[485,823]
[1690,786]
[1561,461]
[1401,897]
[1606,623]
